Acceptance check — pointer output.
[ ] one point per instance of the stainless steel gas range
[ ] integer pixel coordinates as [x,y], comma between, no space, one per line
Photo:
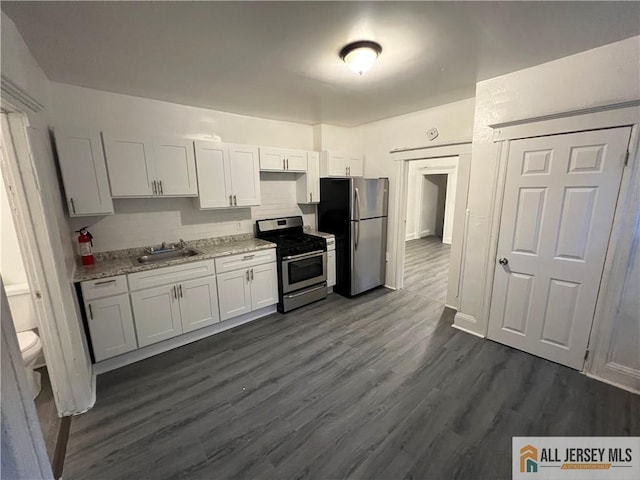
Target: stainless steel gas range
[302,261]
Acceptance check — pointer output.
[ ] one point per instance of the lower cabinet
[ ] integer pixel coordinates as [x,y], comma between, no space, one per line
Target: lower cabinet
[248,289]
[111,326]
[170,310]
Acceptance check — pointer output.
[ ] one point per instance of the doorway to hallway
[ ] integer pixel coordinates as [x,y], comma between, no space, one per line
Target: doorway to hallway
[426,267]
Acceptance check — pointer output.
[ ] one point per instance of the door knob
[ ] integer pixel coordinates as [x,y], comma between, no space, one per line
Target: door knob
[503,261]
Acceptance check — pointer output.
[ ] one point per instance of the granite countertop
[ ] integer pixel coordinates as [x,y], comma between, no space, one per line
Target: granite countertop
[121,262]
[316,233]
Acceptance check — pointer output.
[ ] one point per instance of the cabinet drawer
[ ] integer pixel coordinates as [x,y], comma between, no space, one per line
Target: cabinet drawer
[166,275]
[244,260]
[104,287]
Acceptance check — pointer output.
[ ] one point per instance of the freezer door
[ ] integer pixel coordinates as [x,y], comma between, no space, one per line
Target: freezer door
[368,252]
[369,197]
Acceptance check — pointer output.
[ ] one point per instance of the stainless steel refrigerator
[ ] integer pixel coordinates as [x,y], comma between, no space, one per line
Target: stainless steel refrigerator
[355,211]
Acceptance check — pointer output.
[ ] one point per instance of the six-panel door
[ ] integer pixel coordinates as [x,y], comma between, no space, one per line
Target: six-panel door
[559,201]
[234,293]
[157,314]
[111,326]
[198,303]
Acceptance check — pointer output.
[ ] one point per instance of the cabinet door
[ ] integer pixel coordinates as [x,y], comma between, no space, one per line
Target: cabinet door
[272,159]
[234,294]
[214,175]
[337,165]
[264,286]
[331,268]
[198,303]
[296,161]
[245,175]
[111,326]
[157,314]
[84,172]
[313,176]
[130,165]
[355,164]
[175,166]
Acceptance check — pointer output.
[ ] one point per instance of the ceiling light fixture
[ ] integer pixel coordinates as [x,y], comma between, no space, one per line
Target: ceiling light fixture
[359,56]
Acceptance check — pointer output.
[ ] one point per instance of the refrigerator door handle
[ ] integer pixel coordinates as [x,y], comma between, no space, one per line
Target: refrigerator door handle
[357,200]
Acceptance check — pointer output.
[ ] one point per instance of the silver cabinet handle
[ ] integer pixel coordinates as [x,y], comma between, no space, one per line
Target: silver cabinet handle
[90,312]
[248,257]
[231,200]
[284,164]
[153,187]
[235,201]
[287,164]
[104,282]
[161,190]
[180,288]
[311,197]
[175,292]
[252,274]
[73,206]
[247,274]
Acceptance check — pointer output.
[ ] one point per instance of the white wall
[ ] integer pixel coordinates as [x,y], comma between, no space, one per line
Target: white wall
[602,76]
[454,121]
[416,202]
[139,222]
[11,263]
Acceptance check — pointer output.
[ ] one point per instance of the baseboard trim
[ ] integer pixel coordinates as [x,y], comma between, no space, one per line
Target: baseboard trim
[612,383]
[179,341]
[466,330]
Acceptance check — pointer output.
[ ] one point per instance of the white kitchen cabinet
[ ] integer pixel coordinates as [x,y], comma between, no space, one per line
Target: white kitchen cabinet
[198,303]
[264,285]
[228,175]
[110,326]
[234,294]
[130,165]
[175,167]
[283,160]
[84,172]
[308,185]
[340,164]
[157,314]
[331,268]
[141,166]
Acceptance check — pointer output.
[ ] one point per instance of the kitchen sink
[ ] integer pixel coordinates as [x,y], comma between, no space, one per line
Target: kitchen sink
[164,256]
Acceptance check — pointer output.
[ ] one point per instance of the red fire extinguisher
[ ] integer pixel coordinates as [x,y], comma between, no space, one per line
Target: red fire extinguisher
[85,242]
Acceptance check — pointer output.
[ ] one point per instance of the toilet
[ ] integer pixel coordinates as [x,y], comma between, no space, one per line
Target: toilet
[24,319]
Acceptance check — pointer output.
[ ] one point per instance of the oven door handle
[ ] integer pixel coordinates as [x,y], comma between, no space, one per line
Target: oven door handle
[294,295]
[303,255]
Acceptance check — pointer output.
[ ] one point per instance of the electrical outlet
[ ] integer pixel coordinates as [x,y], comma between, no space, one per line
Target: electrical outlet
[432,134]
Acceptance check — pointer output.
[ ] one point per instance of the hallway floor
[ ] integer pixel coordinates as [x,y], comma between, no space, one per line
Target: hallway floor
[426,267]
[378,386]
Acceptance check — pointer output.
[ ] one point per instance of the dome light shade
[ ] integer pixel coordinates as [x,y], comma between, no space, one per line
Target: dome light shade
[360,56]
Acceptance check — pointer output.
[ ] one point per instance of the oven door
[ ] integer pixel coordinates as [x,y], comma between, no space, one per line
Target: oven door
[304,270]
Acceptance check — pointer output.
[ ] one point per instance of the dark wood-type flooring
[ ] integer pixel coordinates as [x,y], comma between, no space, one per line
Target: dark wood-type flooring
[426,267]
[47,412]
[376,387]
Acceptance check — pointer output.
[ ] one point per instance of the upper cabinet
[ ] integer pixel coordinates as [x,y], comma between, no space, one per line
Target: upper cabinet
[228,175]
[147,167]
[282,160]
[84,172]
[308,185]
[340,164]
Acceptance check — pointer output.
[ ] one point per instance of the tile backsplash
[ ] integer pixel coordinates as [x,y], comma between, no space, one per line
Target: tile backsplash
[148,221]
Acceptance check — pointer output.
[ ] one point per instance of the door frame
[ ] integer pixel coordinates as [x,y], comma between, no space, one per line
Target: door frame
[619,115]
[66,355]
[436,171]
[402,157]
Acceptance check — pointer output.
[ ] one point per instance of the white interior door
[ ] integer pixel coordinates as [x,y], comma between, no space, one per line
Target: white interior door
[559,201]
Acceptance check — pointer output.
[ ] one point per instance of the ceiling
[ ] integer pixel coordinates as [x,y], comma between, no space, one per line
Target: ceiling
[280,60]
